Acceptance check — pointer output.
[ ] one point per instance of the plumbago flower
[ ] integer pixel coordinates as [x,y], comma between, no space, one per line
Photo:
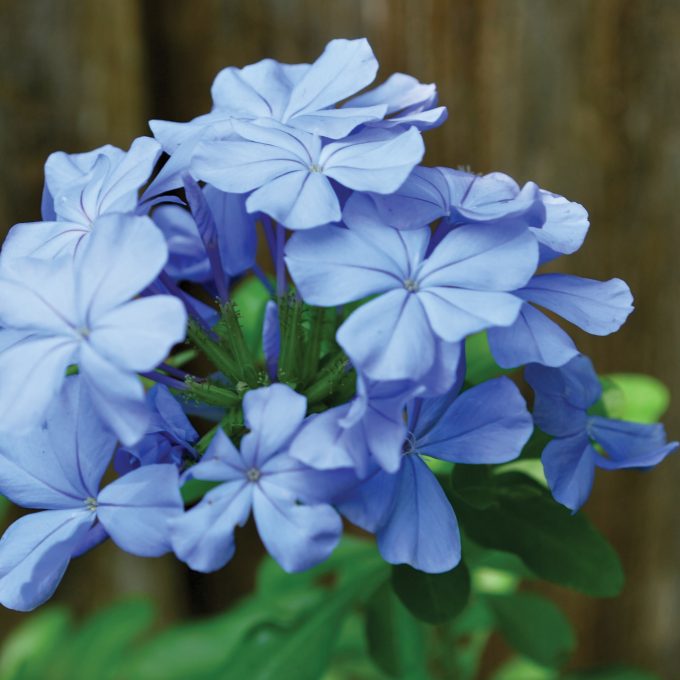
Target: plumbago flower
[289,172]
[79,188]
[559,226]
[331,385]
[57,468]
[261,477]
[460,288]
[305,97]
[82,311]
[397,496]
[582,441]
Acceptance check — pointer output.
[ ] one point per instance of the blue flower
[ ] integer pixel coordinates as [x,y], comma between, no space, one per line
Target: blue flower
[288,499]
[289,172]
[57,468]
[423,301]
[81,311]
[169,435]
[79,188]
[367,431]
[582,441]
[305,97]
[408,510]
[597,307]
[235,234]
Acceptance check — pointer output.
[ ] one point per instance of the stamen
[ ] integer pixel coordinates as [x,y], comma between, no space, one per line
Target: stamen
[253,475]
[411,285]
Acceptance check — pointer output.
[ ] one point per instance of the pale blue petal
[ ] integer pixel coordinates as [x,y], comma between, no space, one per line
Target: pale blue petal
[138,335]
[43,240]
[421,530]
[344,68]
[533,338]
[493,258]
[373,160]
[203,537]
[123,256]
[598,307]
[136,509]
[34,554]
[419,201]
[296,536]
[299,199]
[565,227]
[38,295]
[32,369]
[455,313]
[389,338]
[337,123]
[331,265]
[117,395]
[273,415]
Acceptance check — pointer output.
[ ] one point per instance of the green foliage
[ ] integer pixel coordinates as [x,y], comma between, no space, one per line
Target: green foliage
[534,627]
[512,512]
[396,640]
[481,365]
[433,598]
[633,396]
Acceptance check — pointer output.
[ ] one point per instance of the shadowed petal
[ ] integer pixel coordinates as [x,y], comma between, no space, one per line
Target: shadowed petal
[35,552]
[422,529]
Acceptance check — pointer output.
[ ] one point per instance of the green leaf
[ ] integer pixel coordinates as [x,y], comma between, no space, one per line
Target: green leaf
[534,627]
[480,364]
[303,651]
[434,598]
[98,646]
[615,673]
[203,650]
[634,396]
[524,519]
[524,669]
[396,640]
[251,297]
[26,649]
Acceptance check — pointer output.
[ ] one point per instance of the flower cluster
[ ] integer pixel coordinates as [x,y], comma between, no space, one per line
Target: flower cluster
[357,384]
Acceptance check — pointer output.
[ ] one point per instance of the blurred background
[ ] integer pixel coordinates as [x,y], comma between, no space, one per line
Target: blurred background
[581,96]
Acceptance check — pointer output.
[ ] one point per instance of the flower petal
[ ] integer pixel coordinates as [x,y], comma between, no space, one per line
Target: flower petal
[122,257]
[533,338]
[569,466]
[488,423]
[598,307]
[273,414]
[203,537]
[373,160]
[296,536]
[389,338]
[35,552]
[422,529]
[138,335]
[135,509]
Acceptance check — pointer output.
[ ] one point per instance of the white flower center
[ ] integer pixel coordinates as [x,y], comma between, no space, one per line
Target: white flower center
[253,475]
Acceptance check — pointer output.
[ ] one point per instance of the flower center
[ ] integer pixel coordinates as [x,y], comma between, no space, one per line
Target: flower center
[253,475]
[315,167]
[411,285]
[91,503]
[83,331]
